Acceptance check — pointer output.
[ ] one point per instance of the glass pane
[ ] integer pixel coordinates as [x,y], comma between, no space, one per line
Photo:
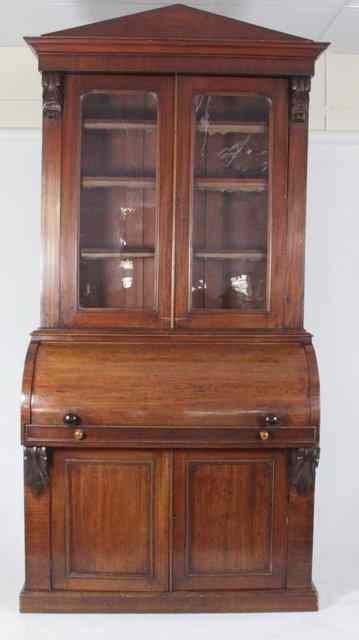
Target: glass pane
[230,208]
[118,219]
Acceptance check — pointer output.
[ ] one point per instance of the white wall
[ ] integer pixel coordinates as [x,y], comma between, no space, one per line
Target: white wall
[335,93]
[332,308]
[20,88]
[332,314]
[19,286]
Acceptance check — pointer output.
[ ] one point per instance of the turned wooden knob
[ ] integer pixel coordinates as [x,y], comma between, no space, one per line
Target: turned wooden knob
[71,419]
[79,434]
[264,435]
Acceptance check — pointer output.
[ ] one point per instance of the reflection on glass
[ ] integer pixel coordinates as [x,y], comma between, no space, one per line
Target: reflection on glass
[118,200]
[230,209]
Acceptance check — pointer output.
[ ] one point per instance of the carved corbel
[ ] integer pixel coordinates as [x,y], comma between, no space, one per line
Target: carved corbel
[299,103]
[303,464]
[52,94]
[36,468]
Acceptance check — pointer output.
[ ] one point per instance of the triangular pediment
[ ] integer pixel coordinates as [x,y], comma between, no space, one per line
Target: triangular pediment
[177,22]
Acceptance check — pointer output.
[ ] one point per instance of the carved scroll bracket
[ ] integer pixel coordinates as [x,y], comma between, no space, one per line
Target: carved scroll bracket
[36,468]
[303,464]
[52,94]
[299,104]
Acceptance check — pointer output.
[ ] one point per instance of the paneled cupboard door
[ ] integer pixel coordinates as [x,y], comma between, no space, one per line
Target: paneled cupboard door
[110,520]
[117,201]
[231,202]
[230,530]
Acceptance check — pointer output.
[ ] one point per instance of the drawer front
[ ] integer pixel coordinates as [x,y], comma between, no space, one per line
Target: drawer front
[88,436]
[173,385]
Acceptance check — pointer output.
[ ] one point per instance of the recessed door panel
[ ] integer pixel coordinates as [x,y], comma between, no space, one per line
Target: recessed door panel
[230,520]
[110,520]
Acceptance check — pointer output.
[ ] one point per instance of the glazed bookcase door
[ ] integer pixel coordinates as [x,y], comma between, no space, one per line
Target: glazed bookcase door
[117,201]
[231,202]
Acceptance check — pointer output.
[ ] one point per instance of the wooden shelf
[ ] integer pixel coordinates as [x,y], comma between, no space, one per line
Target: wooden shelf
[232,127]
[231,184]
[107,182]
[119,125]
[102,254]
[230,255]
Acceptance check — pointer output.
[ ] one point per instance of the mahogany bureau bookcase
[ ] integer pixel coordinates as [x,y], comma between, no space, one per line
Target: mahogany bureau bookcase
[170,414]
